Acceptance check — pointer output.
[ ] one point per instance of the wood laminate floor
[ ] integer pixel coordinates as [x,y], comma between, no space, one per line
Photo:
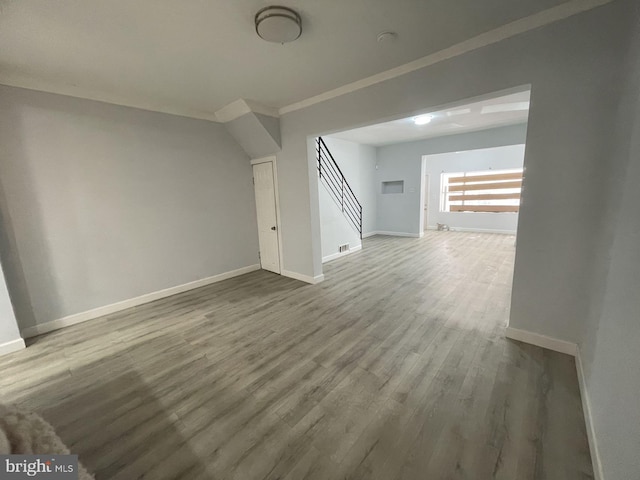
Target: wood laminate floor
[395,367]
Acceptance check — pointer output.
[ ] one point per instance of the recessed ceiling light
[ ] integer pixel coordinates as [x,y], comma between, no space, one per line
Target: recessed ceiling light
[278,24]
[422,119]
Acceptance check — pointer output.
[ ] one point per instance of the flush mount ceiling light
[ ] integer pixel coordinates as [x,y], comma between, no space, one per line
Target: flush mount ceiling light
[278,24]
[422,119]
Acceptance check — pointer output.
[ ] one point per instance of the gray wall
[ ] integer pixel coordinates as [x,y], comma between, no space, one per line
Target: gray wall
[399,213]
[8,325]
[609,349]
[613,378]
[403,161]
[103,203]
[572,66]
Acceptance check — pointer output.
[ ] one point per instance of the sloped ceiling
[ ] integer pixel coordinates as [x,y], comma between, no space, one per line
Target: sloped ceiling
[194,57]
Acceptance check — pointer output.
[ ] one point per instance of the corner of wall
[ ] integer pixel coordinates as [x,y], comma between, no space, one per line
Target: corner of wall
[586,409]
[12,346]
[539,340]
[302,277]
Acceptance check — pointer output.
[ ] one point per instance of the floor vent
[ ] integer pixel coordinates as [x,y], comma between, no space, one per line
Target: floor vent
[343,248]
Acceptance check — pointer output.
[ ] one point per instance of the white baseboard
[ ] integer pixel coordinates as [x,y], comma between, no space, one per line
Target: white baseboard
[369,234]
[569,348]
[333,256]
[132,302]
[476,230]
[12,346]
[543,341]
[397,234]
[586,408]
[302,277]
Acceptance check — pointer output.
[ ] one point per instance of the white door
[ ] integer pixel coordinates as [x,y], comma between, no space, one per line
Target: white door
[267,218]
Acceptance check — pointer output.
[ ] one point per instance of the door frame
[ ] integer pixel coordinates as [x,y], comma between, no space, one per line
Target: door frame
[423,172]
[274,168]
[426,179]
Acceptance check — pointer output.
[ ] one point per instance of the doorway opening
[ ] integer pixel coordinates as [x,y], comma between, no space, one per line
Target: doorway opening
[403,172]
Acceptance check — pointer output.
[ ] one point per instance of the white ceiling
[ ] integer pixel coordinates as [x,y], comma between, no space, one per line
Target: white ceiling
[494,112]
[199,55]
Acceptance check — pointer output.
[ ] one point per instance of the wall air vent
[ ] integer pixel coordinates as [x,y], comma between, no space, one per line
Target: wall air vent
[343,248]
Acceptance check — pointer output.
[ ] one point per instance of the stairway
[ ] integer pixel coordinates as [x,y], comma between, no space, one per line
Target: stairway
[337,185]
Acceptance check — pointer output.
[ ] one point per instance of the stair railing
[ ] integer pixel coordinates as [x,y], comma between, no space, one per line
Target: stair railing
[337,185]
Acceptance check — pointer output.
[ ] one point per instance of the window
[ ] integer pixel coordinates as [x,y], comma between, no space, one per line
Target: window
[492,191]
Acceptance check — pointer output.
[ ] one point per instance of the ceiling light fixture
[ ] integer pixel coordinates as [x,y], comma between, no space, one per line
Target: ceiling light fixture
[278,24]
[422,119]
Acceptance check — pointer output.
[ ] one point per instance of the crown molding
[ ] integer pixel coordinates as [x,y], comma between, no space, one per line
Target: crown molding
[17,81]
